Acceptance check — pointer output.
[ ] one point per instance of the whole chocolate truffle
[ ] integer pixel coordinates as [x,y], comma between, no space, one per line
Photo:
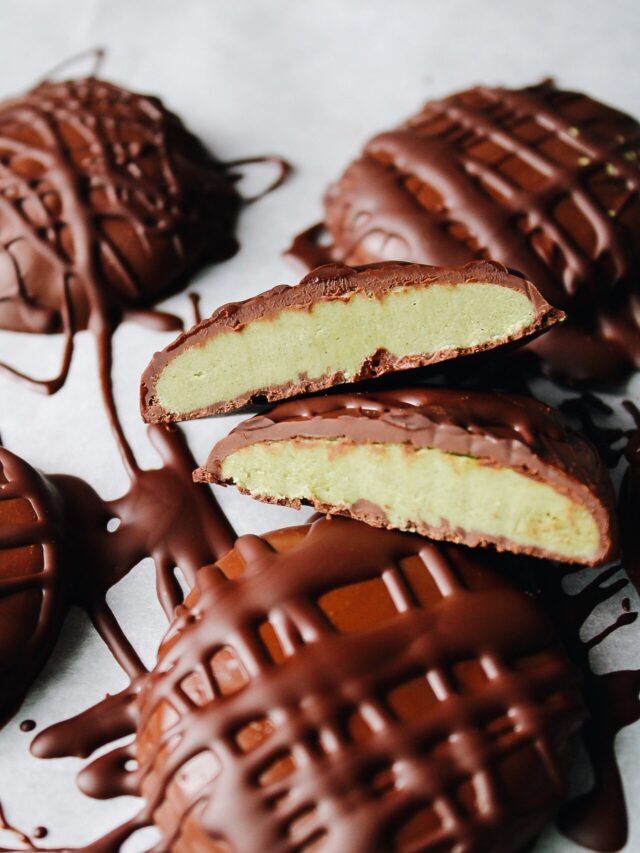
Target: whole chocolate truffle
[106,203]
[32,589]
[339,687]
[544,181]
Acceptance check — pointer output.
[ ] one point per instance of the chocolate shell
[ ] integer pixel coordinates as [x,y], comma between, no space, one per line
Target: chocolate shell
[338,687]
[33,596]
[464,466]
[544,181]
[340,324]
[106,203]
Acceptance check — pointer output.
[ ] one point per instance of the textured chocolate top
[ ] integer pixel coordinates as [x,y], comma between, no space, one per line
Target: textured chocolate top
[514,431]
[32,576]
[106,201]
[544,181]
[335,281]
[385,688]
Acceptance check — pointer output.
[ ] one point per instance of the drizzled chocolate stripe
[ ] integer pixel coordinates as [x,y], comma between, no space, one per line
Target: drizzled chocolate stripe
[544,181]
[326,675]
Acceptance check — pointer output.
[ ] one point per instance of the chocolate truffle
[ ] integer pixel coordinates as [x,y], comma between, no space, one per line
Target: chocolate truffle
[32,589]
[545,181]
[338,687]
[106,203]
[340,324]
[463,466]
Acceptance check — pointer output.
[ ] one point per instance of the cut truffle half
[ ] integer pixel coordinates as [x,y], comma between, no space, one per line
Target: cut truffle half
[340,324]
[468,467]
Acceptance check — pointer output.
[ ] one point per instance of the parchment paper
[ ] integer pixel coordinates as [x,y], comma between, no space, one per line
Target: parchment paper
[310,81]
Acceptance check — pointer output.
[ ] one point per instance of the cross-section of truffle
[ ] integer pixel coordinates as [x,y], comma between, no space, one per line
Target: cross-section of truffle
[461,466]
[545,181]
[32,595]
[335,687]
[340,324]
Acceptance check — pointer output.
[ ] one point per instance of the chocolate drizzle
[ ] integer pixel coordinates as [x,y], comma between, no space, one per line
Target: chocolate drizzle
[164,516]
[597,818]
[630,503]
[71,207]
[543,181]
[33,579]
[64,552]
[449,609]
[588,409]
[107,204]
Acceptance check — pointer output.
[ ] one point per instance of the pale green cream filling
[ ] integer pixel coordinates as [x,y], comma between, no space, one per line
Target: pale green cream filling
[339,335]
[418,486]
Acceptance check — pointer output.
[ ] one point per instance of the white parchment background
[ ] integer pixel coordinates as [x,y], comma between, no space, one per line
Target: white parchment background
[311,81]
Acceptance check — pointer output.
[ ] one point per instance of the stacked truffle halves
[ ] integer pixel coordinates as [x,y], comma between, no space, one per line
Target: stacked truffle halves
[375,675]
[472,467]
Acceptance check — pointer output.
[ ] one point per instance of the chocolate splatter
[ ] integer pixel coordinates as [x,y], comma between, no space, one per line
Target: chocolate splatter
[598,818]
[327,555]
[107,204]
[607,439]
[72,556]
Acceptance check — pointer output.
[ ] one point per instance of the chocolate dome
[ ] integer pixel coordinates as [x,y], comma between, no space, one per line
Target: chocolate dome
[338,687]
[544,181]
[32,595]
[106,203]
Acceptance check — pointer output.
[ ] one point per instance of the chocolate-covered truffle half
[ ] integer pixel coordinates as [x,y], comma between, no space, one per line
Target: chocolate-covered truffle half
[545,181]
[32,588]
[106,203]
[464,466]
[335,687]
[340,324]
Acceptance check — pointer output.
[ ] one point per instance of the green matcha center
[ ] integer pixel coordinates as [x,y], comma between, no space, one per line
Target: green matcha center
[338,336]
[418,487]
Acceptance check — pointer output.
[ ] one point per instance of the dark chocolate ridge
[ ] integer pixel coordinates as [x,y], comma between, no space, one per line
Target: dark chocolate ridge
[25,545]
[541,179]
[516,432]
[334,281]
[323,670]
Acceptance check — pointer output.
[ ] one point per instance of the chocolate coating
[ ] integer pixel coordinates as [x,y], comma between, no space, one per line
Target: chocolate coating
[33,595]
[106,203]
[545,181]
[518,432]
[337,687]
[330,283]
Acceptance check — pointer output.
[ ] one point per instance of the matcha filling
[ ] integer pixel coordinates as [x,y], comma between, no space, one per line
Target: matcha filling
[338,336]
[418,487]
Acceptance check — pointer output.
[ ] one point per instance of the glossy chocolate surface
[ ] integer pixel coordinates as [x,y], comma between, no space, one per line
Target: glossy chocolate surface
[514,431]
[339,687]
[544,181]
[33,576]
[106,200]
